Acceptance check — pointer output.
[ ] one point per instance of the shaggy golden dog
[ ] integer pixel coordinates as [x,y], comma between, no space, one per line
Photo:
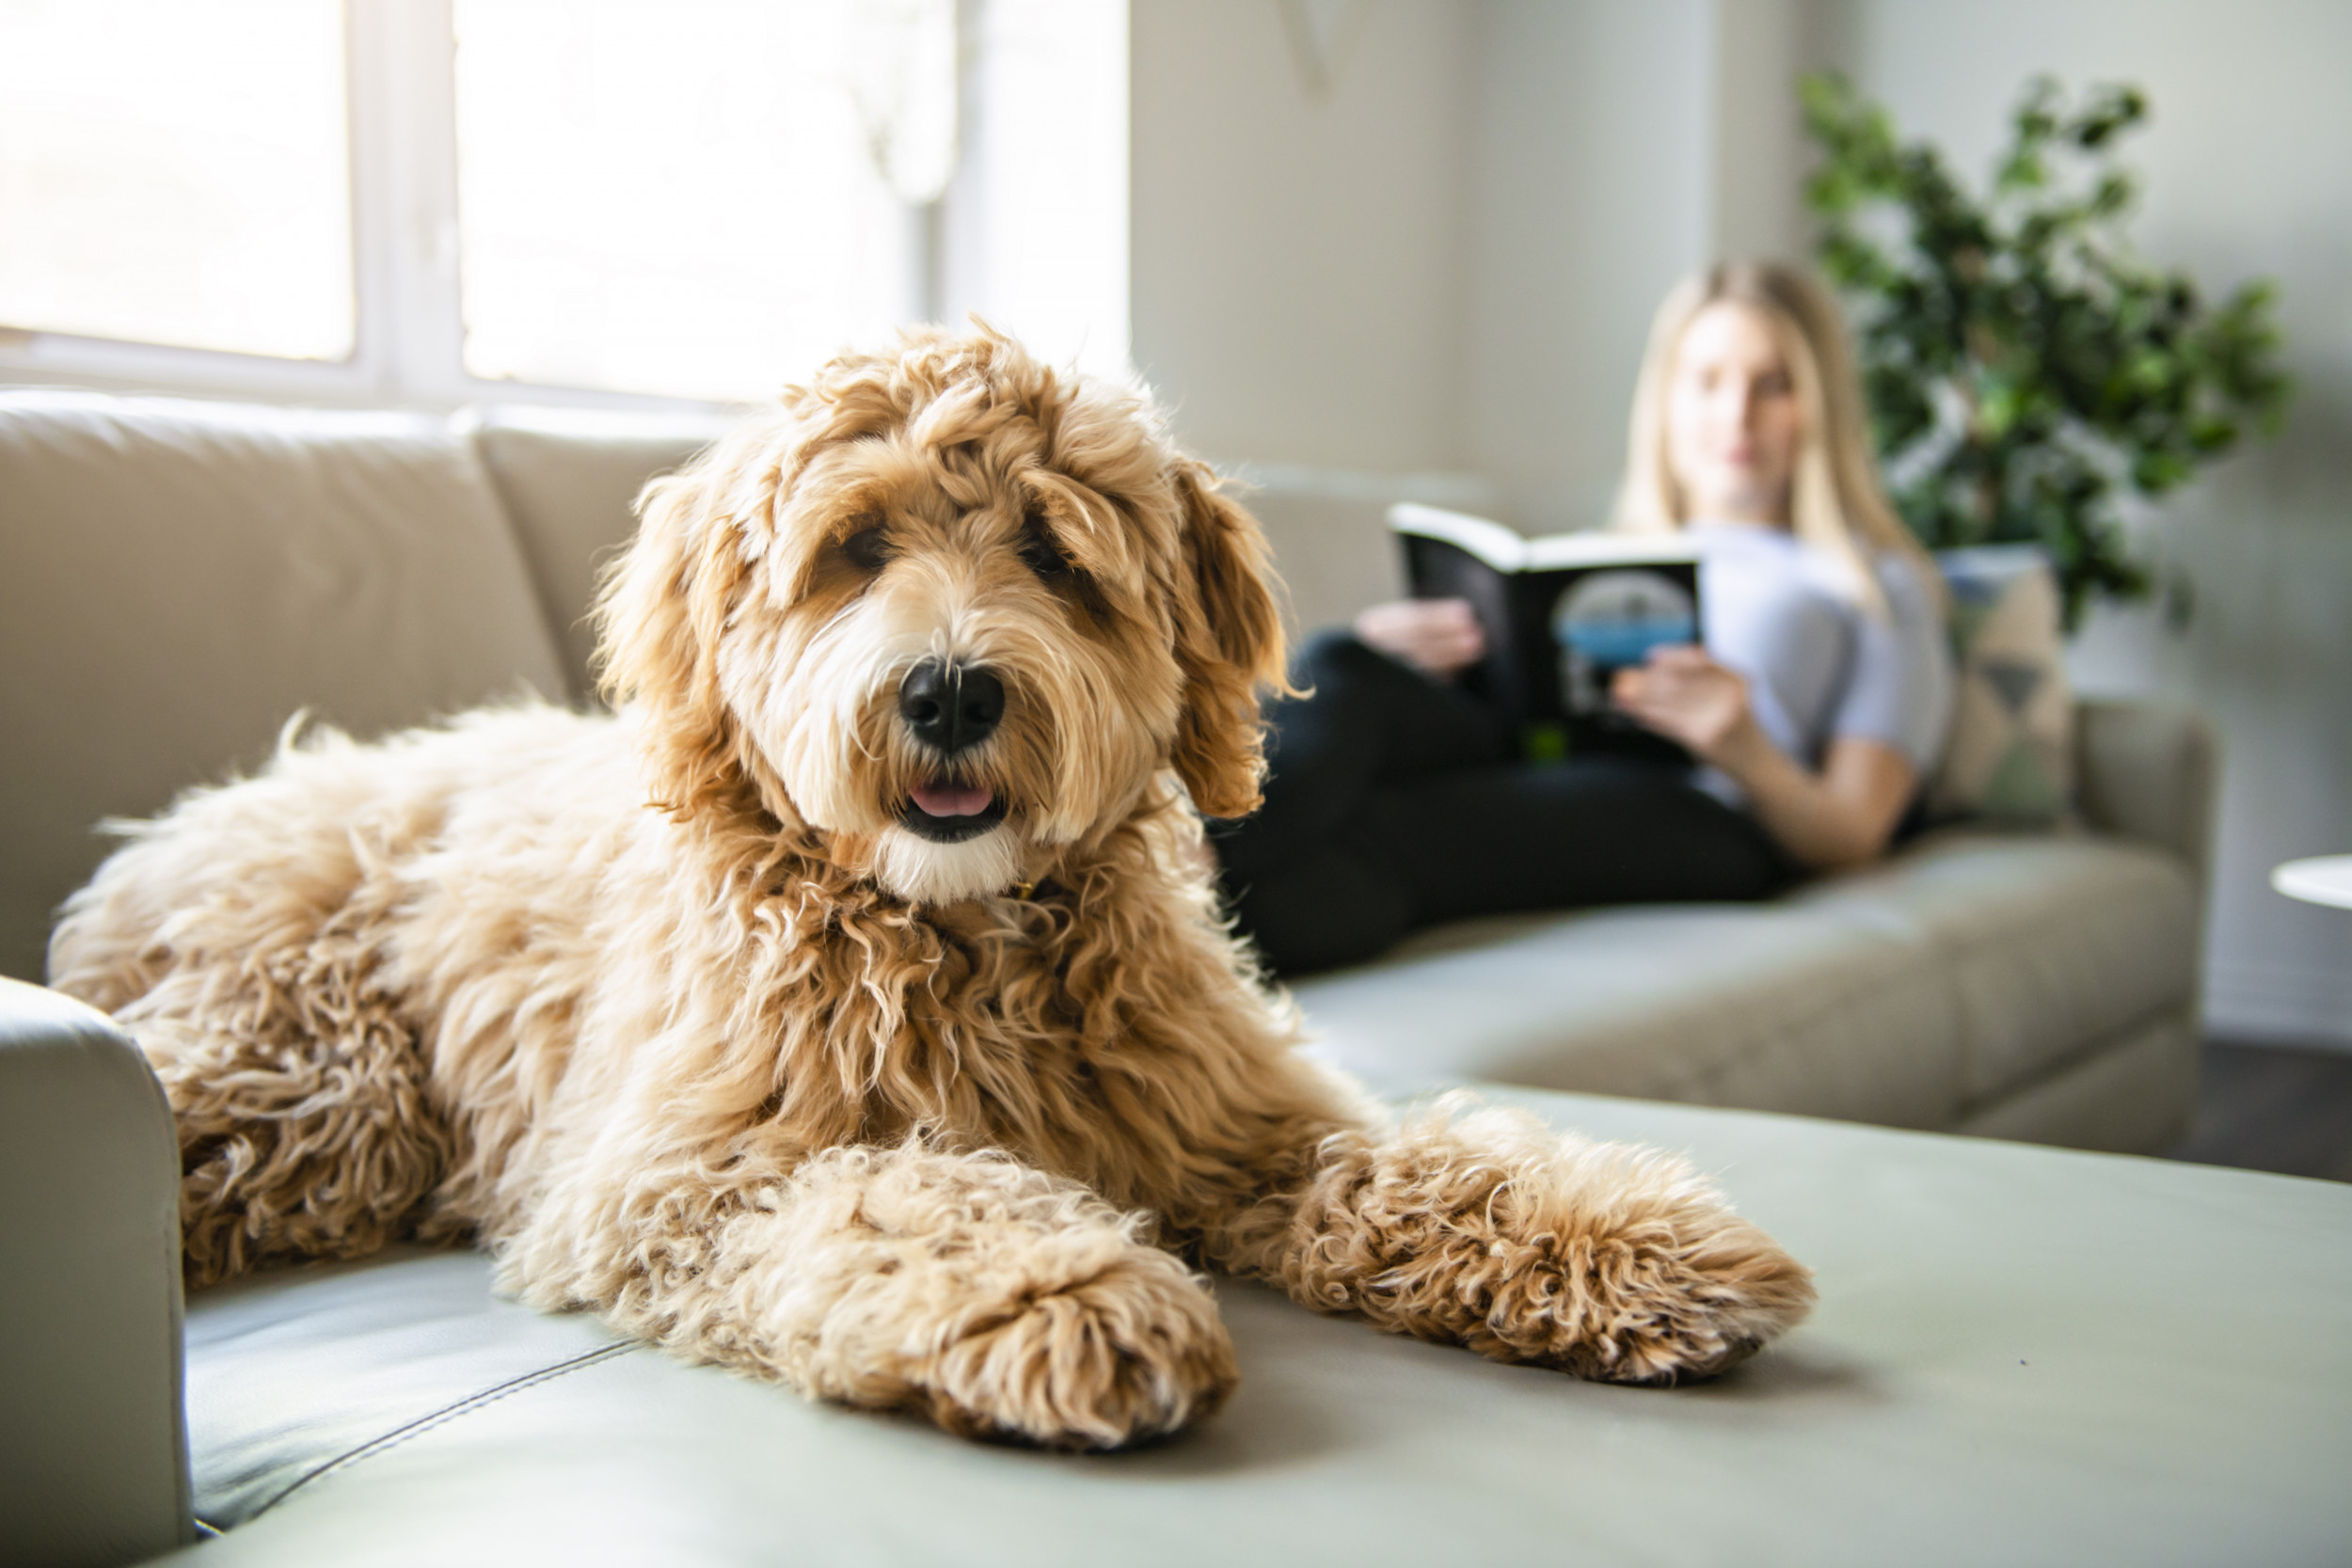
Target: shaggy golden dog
[852,1009]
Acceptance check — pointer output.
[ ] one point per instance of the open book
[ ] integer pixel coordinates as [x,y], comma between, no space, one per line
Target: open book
[1562,615]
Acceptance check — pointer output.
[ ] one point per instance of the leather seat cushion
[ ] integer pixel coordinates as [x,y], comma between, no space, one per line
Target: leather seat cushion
[2021,1355]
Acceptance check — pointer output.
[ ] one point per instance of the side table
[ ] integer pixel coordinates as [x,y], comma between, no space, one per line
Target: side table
[2322,879]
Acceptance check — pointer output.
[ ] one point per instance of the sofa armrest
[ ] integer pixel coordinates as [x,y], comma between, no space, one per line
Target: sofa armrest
[2145,770]
[94,1451]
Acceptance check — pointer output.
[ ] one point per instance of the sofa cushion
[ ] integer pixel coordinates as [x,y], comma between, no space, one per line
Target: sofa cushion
[2044,944]
[1907,995]
[1767,1006]
[179,578]
[2011,1363]
[2128,1093]
[570,480]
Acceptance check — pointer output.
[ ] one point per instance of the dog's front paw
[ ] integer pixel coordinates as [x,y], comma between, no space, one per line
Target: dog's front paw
[1132,1352]
[1675,1297]
[1483,1226]
[1624,1265]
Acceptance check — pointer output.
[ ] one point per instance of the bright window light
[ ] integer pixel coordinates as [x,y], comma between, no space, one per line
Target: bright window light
[177,173]
[573,201]
[687,198]
[1047,260]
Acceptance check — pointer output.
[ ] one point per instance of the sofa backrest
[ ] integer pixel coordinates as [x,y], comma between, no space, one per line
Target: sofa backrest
[569,481]
[178,579]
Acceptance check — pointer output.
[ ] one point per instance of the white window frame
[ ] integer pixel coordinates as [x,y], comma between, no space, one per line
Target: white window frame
[399,69]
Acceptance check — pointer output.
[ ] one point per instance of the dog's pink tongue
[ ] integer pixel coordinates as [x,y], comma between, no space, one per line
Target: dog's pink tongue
[952,800]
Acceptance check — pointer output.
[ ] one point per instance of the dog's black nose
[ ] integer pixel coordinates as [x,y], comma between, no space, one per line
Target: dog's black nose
[950,707]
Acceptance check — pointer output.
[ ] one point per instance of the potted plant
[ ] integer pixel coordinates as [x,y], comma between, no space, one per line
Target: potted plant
[2024,369]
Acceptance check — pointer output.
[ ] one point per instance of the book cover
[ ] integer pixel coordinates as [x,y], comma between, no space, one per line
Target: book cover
[1562,615]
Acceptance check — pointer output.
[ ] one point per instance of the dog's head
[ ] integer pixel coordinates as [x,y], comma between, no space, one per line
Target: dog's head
[945,611]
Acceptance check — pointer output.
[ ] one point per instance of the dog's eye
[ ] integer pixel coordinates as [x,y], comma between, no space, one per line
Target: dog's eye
[1038,553]
[868,550]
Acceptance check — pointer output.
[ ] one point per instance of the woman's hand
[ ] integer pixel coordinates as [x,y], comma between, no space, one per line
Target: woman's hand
[1842,815]
[1684,695]
[1437,636]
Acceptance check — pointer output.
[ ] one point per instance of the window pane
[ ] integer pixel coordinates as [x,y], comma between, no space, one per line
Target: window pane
[678,198]
[177,173]
[1049,258]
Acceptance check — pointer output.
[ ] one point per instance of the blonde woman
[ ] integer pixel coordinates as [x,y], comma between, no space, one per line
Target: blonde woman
[1816,708]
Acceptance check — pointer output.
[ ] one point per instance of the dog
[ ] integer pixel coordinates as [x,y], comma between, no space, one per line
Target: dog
[852,1005]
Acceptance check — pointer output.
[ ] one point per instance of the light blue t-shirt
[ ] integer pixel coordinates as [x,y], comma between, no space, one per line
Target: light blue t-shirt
[1820,666]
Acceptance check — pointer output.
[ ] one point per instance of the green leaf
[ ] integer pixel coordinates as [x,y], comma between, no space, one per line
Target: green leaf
[2022,170]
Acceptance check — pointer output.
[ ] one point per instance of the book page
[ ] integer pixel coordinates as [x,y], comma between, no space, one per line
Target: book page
[1607,547]
[1483,537]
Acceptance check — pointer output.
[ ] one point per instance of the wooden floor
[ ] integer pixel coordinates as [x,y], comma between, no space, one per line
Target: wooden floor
[2269,1108]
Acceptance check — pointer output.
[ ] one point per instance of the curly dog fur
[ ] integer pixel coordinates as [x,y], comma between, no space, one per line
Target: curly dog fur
[701,1017]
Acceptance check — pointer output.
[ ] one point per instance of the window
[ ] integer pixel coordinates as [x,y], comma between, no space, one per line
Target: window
[433,202]
[177,174]
[677,197]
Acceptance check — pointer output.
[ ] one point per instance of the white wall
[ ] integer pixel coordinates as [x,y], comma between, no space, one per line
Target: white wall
[2247,174]
[1619,148]
[1297,261]
[1592,194]
[1761,156]
[1034,229]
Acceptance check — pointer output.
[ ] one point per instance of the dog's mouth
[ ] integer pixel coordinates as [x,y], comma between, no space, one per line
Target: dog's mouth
[949,812]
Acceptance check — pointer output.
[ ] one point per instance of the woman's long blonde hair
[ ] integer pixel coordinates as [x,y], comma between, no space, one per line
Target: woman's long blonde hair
[1835,501]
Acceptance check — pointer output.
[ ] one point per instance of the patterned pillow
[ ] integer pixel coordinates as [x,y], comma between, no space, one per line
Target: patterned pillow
[2011,757]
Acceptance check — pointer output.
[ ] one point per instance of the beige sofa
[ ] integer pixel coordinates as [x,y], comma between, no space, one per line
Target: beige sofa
[178,579]
[2022,1354]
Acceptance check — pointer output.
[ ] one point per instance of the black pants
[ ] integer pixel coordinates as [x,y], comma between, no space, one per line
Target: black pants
[1393,801]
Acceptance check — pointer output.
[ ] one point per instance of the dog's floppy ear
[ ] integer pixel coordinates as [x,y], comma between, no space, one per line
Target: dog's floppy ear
[660,611]
[1228,639]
